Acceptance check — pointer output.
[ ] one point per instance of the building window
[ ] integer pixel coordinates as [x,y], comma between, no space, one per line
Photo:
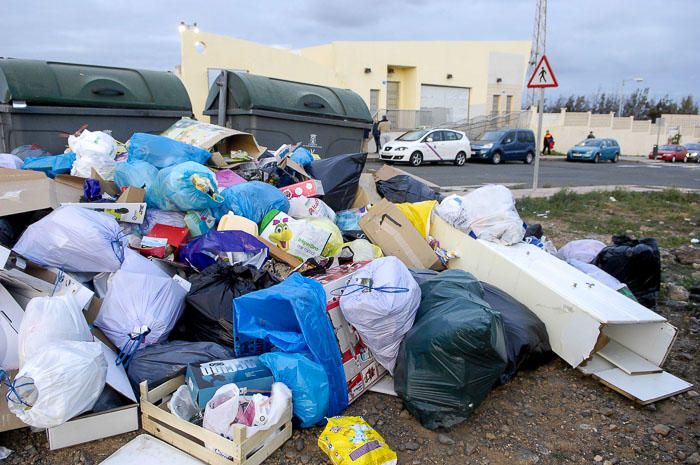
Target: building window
[495,104]
[373,101]
[392,95]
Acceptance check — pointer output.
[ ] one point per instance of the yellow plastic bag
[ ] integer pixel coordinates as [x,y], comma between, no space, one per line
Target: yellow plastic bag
[419,214]
[351,441]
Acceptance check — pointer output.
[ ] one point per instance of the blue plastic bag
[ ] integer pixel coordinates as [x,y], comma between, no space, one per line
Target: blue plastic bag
[348,220]
[253,200]
[306,379]
[162,152]
[302,156]
[174,189]
[292,316]
[52,165]
[203,251]
[135,173]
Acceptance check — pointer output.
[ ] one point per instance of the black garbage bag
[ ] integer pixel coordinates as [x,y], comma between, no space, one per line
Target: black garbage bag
[404,188]
[208,314]
[534,230]
[636,263]
[453,355]
[160,362]
[340,176]
[527,342]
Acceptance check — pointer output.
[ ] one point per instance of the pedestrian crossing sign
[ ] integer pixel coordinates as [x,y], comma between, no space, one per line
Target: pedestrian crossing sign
[542,76]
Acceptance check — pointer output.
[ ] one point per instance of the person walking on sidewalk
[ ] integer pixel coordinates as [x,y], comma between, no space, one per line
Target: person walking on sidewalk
[590,135]
[376,134]
[384,127]
[548,143]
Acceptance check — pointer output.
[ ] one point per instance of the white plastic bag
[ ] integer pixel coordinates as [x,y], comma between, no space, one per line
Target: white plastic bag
[74,239]
[381,302]
[583,250]
[304,207]
[181,404]
[363,250]
[59,383]
[7,160]
[596,273]
[489,212]
[93,150]
[142,308]
[222,409]
[48,320]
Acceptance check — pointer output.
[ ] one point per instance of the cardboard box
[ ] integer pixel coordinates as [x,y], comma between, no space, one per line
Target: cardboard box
[279,254]
[10,318]
[366,192]
[362,370]
[310,188]
[387,227]
[8,420]
[24,191]
[204,379]
[207,136]
[27,280]
[387,172]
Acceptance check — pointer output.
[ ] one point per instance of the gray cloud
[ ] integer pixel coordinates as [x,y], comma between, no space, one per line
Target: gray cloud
[592,44]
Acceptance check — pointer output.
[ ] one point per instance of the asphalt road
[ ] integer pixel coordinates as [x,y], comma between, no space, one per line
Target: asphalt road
[559,173]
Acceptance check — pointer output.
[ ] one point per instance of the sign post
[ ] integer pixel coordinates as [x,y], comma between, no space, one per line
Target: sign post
[542,77]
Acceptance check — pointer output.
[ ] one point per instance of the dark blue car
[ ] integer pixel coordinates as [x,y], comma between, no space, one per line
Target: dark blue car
[595,150]
[505,145]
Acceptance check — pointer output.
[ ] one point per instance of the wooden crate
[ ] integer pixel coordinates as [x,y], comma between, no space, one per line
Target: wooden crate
[195,440]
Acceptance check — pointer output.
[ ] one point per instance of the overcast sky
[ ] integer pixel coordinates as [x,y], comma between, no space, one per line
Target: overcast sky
[591,44]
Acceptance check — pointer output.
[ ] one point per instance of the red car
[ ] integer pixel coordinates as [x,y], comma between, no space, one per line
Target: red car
[671,152]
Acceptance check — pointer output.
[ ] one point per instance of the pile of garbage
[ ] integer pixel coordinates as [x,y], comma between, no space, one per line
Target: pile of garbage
[265,281]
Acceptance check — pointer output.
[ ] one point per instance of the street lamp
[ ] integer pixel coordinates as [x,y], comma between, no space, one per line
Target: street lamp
[622,89]
[182,27]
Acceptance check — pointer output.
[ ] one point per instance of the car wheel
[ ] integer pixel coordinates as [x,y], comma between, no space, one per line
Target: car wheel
[529,157]
[496,158]
[460,159]
[416,159]
[596,159]
[616,158]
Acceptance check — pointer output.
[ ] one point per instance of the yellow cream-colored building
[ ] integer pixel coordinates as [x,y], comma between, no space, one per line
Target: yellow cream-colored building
[415,83]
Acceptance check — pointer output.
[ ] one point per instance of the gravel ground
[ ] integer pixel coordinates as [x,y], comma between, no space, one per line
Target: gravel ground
[551,415]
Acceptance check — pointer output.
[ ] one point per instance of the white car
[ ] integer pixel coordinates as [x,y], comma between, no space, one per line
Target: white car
[428,145]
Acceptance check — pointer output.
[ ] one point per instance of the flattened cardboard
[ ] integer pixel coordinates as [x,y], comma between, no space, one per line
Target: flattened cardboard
[366,192]
[11,315]
[387,227]
[387,172]
[24,191]
[308,188]
[208,136]
[279,254]
[8,420]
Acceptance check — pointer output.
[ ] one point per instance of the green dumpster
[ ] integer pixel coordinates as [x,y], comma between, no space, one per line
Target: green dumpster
[327,120]
[41,100]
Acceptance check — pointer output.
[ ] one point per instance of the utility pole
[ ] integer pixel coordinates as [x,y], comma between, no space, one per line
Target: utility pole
[537,48]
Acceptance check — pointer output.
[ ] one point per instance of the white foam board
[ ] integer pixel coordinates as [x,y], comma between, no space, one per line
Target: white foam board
[147,450]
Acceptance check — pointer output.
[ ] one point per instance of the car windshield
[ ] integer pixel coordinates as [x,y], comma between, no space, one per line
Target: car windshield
[670,148]
[590,143]
[493,136]
[413,135]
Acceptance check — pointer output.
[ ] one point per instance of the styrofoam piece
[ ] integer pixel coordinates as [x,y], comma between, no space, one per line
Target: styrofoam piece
[581,314]
[626,360]
[644,388]
[385,386]
[147,450]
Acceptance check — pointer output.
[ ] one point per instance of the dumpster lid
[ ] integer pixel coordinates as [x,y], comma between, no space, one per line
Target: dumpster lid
[251,92]
[52,83]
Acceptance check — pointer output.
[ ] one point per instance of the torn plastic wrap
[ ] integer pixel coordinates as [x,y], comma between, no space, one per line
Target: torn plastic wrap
[229,247]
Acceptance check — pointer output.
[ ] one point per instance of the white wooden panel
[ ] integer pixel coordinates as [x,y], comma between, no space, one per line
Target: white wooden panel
[147,450]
